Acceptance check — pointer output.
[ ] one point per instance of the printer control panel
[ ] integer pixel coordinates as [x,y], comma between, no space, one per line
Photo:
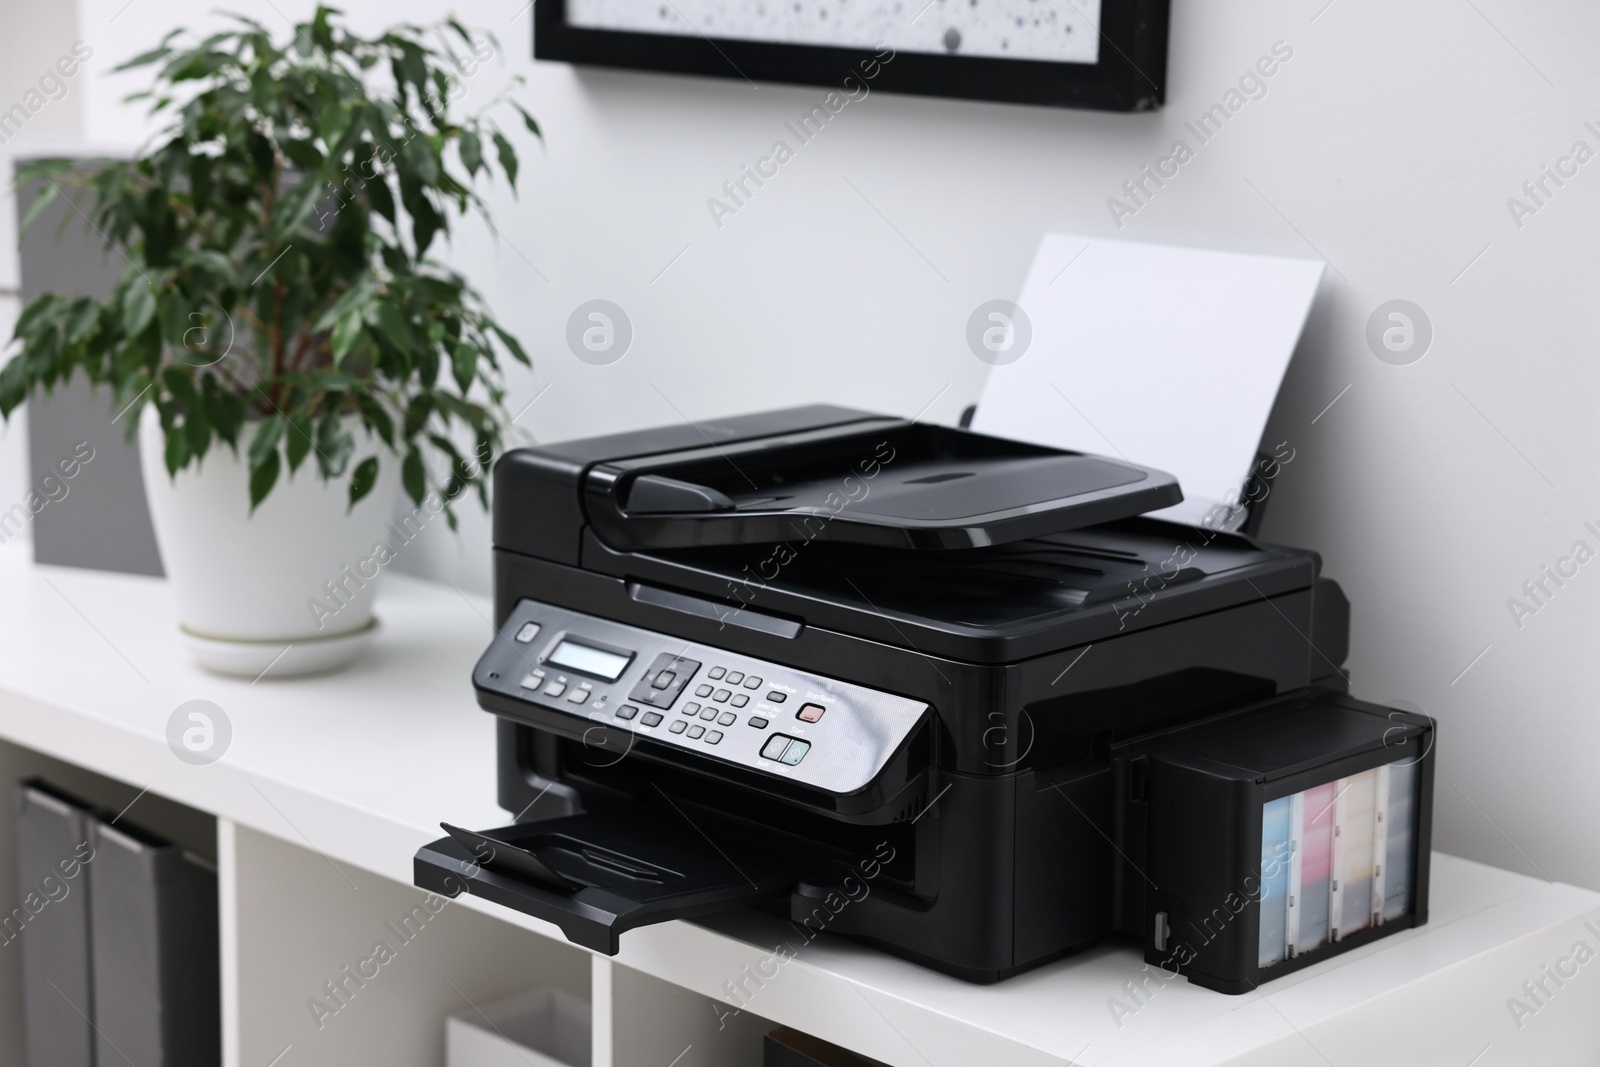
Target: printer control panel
[827,734]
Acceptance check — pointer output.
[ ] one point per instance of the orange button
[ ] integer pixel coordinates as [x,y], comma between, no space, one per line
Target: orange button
[810,712]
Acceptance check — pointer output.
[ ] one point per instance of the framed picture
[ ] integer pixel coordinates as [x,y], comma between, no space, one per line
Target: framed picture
[1105,54]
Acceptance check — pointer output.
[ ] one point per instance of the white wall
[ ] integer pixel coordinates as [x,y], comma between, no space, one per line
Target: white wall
[31,37]
[1388,144]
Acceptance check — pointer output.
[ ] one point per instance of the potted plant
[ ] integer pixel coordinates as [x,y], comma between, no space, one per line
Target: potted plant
[291,355]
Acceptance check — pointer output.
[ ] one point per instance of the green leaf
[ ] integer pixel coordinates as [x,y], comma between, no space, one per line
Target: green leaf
[354,298]
[377,418]
[303,154]
[177,451]
[508,158]
[261,152]
[471,149]
[263,476]
[13,387]
[152,56]
[200,182]
[83,321]
[412,68]
[181,388]
[345,332]
[464,362]
[294,209]
[321,32]
[45,311]
[225,410]
[413,476]
[381,197]
[145,58]
[395,329]
[335,121]
[424,164]
[297,441]
[265,442]
[215,262]
[197,427]
[40,202]
[364,478]
[138,308]
[425,222]
[512,345]
[527,120]
[172,310]
[334,445]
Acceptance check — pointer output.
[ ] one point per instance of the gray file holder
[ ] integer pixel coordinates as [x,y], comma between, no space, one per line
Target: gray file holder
[103,521]
[54,867]
[153,910]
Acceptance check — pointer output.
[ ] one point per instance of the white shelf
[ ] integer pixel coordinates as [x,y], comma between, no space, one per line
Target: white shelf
[356,769]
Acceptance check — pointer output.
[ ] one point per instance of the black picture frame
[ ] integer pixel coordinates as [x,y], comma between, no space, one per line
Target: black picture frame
[1130,75]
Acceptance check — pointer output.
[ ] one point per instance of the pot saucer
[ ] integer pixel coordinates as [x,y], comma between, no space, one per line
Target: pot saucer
[277,659]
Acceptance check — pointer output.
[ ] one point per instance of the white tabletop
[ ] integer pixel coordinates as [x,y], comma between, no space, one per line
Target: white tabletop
[362,765]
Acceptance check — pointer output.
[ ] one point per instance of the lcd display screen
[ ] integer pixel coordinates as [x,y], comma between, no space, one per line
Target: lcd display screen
[589,660]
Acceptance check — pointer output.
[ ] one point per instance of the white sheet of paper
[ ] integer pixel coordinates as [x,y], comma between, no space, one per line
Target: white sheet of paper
[1165,356]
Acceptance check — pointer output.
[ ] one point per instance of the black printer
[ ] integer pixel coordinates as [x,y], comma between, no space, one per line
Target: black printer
[948,694]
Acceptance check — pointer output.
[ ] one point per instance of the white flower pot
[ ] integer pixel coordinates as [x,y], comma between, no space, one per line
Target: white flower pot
[249,586]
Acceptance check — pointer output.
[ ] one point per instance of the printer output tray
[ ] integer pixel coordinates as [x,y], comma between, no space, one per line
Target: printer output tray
[596,875]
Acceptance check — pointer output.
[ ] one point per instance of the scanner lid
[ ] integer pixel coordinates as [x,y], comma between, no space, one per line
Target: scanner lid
[870,481]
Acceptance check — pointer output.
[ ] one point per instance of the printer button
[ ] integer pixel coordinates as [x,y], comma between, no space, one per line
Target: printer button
[690,708]
[696,731]
[678,726]
[727,718]
[578,696]
[774,747]
[702,691]
[776,697]
[555,689]
[735,677]
[709,713]
[627,711]
[810,712]
[533,680]
[758,722]
[666,678]
[716,672]
[752,682]
[713,737]
[529,631]
[739,700]
[651,718]
[796,751]
[721,694]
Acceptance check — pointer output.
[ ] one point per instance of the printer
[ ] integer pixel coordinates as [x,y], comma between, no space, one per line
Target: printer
[954,696]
